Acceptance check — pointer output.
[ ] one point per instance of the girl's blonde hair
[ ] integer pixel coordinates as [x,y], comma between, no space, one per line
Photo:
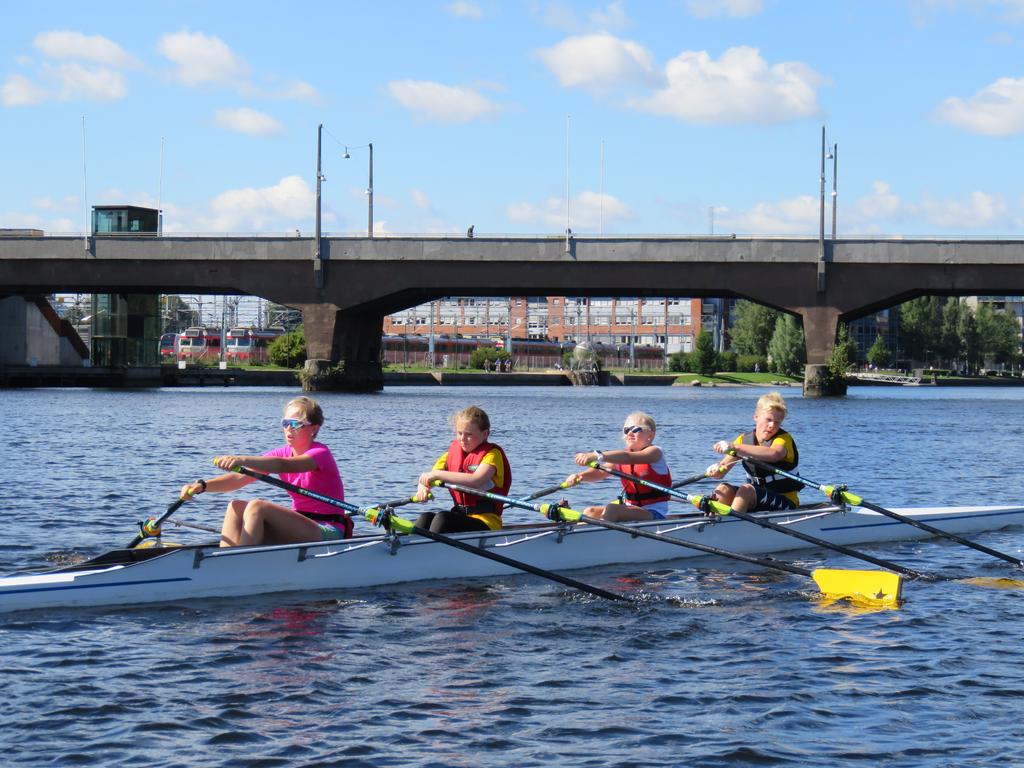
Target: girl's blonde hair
[311,409]
[642,419]
[772,402]
[473,414]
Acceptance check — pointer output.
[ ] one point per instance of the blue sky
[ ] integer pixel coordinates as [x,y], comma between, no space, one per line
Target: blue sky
[474,107]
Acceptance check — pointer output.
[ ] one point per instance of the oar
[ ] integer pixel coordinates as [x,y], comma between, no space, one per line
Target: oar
[149,528]
[871,587]
[704,503]
[839,493]
[374,515]
[691,479]
[548,491]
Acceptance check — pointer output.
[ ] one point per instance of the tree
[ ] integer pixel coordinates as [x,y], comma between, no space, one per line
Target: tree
[949,345]
[787,346]
[968,329]
[178,313]
[998,335]
[753,329]
[920,327]
[289,350]
[704,359]
[844,353]
[879,354]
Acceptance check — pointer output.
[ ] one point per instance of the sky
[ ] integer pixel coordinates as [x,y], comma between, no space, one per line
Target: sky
[629,117]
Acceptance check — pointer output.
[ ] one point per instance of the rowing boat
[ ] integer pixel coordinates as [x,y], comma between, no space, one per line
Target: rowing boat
[173,573]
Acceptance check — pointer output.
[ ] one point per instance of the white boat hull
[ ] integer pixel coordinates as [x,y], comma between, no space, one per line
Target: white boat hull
[172,574]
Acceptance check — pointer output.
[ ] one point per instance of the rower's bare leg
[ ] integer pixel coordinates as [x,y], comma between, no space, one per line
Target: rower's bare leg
[621,513]
[231,530]
[267,523]
[746,498]
[724,492]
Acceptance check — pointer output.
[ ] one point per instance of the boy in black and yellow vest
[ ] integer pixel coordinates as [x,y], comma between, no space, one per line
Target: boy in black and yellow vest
[768,442]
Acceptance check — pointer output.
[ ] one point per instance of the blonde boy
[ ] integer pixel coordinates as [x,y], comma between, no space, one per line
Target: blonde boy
[767,442]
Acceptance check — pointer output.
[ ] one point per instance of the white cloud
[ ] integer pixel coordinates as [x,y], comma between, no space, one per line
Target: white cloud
[599,61]
[420,199]
[65,44]
[439,103]
[978,210]
[587,212]
[463,9]
[19,91]
[611,17]
[203,59]
[279,208]
[300,90]
[69,81]
[795,216]
[881,203]
[995,110]
[707,9]
[66,203]
[79,82]
[248,121]
[741,87]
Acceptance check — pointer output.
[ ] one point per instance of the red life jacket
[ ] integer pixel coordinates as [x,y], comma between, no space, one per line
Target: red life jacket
[641,495]
[458,461]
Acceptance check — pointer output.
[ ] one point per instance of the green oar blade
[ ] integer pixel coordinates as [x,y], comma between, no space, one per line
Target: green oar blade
[875,588]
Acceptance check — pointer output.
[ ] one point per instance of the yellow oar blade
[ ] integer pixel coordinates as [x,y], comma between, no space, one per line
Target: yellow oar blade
[880,588]
[993,582]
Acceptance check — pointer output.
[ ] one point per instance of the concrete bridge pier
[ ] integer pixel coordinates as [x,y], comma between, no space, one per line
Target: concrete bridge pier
[342,349]
[821,324]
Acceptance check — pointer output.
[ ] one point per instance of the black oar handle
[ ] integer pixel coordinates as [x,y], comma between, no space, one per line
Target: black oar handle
[156,526]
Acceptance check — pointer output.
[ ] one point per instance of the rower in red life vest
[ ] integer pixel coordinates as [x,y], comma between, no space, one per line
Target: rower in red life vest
[640,458]
[470,460]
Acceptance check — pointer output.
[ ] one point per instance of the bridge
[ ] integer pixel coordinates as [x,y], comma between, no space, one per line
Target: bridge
[347,285]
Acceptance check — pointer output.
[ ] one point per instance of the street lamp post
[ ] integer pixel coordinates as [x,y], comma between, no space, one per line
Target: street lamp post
[369,188]
[835,191]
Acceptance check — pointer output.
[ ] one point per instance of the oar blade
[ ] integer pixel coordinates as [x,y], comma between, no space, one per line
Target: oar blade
[876,588]
[993,582]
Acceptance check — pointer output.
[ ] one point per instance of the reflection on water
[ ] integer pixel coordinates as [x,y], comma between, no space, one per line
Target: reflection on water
[717,664]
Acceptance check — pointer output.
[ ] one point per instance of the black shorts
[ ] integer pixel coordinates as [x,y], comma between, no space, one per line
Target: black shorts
[770,501]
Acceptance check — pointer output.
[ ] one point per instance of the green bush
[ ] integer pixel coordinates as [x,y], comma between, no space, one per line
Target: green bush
[679,362]
[750,363]
[289,350]
[727,361]
[490,354]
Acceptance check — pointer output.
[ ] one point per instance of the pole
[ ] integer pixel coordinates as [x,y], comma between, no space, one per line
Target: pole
[317,264]
[821,212]
[568,230]
[821,220]
[835,191]
[369,196]
[600,229]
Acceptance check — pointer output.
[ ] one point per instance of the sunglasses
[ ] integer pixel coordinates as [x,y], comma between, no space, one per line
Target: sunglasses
[633,429]
[294,423]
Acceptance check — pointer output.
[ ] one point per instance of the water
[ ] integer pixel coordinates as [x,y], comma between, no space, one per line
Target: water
[716,666]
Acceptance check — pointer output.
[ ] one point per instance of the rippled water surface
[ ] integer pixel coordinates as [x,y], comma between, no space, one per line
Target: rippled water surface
[714,666]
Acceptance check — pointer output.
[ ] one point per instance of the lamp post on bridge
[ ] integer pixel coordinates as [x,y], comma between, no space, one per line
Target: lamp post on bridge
[369,187]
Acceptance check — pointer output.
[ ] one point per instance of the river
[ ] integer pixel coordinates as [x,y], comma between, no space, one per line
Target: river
[713,667]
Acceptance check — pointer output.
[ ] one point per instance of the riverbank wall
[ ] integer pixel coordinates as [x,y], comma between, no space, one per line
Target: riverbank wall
[195,376]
